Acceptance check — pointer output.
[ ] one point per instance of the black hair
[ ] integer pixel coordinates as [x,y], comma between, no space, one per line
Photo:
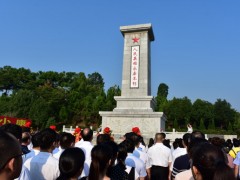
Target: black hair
[129,145]
[26,137]
[151,142]
[197,134]
[129,135]
[209,160]
[163,135]
[141,140]
[47,138]
[180,142]
[71,163]
[166,142]
[13,129]
[136,139]
[66,140]
[186,138]
[194,145]
[122,154]
[87,134]
[35,139]
[102,138]
[236,142]
[100,161]
[175,145]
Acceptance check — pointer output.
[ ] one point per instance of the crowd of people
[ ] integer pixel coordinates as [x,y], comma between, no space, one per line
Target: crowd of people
[48,155]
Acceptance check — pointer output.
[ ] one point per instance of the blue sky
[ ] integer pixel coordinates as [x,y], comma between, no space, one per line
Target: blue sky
[196,51]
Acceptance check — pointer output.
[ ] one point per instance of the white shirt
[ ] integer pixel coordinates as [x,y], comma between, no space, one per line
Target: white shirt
[43,166]
[159,155]
[177,153]
[86,146]
[77,144]
[32,153]
[139,165]
[58,154]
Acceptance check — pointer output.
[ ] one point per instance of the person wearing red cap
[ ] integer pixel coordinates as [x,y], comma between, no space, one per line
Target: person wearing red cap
[136,130]
[53,127]
[108,131]
[77,134]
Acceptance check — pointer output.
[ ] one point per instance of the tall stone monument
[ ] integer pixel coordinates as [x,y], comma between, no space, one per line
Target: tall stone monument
[135,106]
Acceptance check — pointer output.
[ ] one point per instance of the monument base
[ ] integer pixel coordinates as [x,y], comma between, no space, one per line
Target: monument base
[122,122]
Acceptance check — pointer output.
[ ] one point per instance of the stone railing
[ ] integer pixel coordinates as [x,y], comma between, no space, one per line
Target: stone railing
[169,135]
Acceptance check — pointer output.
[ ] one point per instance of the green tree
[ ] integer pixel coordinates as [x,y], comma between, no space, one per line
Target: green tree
[110,101]
[211,125]
[223,113]
[161,97]
[175,124]
[202,110]
[5,104]
[180,109]
[21,102]
[202,124]
[63,114]
[40,112]
[8,79]
[51,121]
[230,127]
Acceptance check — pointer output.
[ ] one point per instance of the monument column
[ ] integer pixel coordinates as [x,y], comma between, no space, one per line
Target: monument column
[135,106]
[136,76]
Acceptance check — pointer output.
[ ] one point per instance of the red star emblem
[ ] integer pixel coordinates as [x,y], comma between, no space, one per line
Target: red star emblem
[135,39]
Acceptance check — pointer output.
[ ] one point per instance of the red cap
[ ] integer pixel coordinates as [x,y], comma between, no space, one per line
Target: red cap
[136,130]
[53,127]
[77,130]
[28,124]
[106,130]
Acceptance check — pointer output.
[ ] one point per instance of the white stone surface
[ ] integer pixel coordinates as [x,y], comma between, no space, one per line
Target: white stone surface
[135,106]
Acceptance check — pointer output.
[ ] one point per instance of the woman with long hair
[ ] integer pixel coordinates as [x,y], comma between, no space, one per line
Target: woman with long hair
[120,170]
[101,160]
[71,164]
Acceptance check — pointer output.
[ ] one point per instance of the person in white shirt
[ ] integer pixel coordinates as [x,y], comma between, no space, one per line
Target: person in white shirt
[180,150]
[35,149]
[138,151]
[159,159]
[189,128]
[86,146]
[44,165]
[67,140]
[134,161]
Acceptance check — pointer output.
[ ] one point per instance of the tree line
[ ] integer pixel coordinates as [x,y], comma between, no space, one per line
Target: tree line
[54,97]
[75,99]
[201,114]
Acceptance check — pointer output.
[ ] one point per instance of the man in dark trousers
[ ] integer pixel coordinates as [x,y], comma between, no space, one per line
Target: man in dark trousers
[159,159]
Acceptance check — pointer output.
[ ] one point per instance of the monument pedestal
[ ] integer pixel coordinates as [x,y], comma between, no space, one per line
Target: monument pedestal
[135,106]
[123,121]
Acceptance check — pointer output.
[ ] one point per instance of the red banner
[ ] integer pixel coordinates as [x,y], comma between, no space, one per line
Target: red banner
[18,121]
